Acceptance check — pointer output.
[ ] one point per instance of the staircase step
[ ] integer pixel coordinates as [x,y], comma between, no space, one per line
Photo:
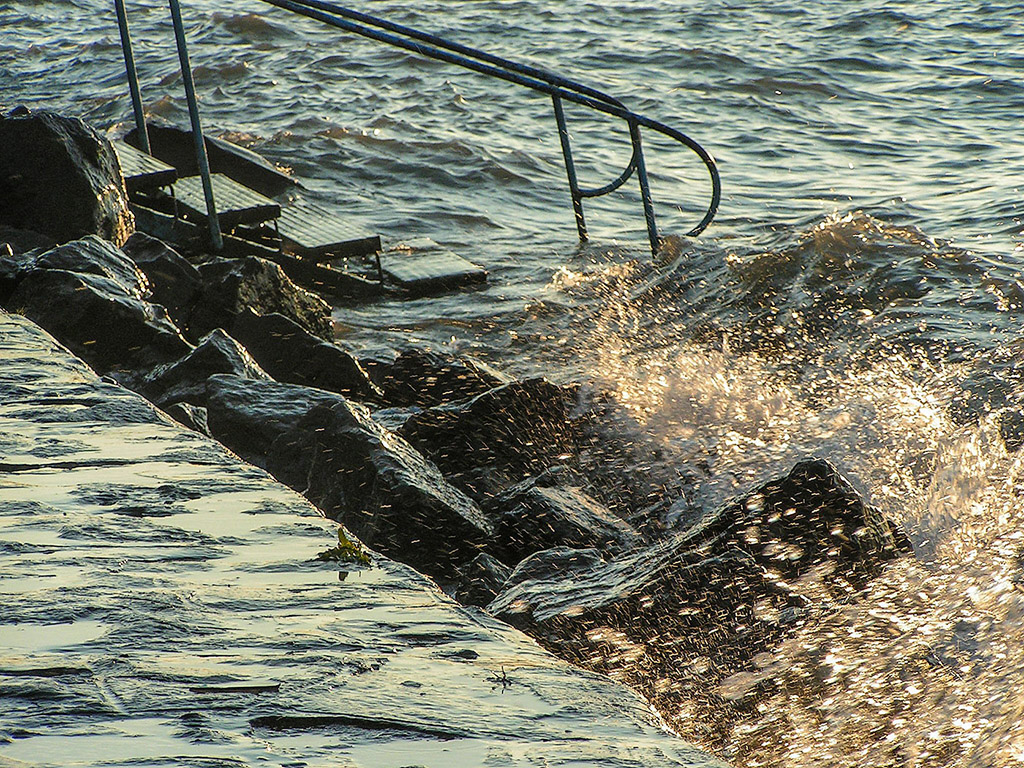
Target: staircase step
[236,204]
[312,231]
[141,171]
[422,266]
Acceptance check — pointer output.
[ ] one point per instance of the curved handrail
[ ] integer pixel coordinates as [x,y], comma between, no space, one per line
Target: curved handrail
[558,87]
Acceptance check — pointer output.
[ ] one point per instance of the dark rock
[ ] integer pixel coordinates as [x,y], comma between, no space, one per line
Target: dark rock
[426,378]
[232,285]
[21,240]
[723,591]
[979,395]
[98,320]
[500,437]
[60,178]
[536,515]
[480,580]
[1011,429]
[192,416]
[290,353]
[381,488]
[555,565]
[248,415]
[175,283]
[184,380]
[95,256]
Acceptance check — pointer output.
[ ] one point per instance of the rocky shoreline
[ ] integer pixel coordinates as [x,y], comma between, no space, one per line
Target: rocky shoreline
[508,493]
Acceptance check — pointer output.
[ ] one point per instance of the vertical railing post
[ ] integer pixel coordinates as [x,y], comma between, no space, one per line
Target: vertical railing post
[570,167]
[133,76]
[645,187]
[197,129]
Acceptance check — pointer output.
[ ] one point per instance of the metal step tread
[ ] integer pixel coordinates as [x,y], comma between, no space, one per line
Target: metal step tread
[142,171]
[421,265]
[236,204]
[310,230]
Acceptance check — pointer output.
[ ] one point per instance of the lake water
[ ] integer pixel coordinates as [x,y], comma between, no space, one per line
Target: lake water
[858,296]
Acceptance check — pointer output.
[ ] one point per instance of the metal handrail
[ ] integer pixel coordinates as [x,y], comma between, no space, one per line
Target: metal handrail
[559,88]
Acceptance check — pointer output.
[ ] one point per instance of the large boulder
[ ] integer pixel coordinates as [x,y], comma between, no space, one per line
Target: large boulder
[498,438]
[60,178]
[290,353]
[232,285]
[175,283]
[540,513]
[381,488]
[184,380]
[248,415]
[721,592]
[425,378]
[98,320]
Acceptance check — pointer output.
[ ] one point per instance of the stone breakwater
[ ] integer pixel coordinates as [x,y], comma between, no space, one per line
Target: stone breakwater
[512,495]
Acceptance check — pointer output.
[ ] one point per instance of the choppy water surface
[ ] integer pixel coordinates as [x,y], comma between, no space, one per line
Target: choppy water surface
[858,297]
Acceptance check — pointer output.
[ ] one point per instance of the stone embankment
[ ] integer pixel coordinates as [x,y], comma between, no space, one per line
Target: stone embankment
[510,494]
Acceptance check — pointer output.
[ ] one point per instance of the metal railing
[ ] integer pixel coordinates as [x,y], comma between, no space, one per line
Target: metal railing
[559,88]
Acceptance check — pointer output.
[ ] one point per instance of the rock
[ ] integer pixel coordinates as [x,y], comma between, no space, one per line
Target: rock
[723,591]
[192,416]
[98,320]
[175,283]
[980,394]
[21,240]
[555,565]
[426,378]
[248,415]
[500,437]
[60,178]
[184,380]
[480,580]
[1011,429]
[290,353]
[381,488]
[537,514]
[232,285]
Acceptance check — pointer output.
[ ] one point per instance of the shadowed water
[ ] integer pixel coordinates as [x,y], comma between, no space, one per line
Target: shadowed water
[858,297]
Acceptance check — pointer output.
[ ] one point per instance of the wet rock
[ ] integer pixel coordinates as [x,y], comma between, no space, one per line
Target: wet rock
[555,565]
[248,415]
[1011,429]
[381,488]
[539,514]
[21,240]
[98,320]
[979,395]
[60,178]
[480,580]
[291,354]
[184,380]
[175,283]
[232,285]
[500,437]
[426,378]
[725,590]
[192,416]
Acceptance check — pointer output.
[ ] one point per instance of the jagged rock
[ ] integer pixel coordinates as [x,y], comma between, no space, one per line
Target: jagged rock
[60,178]
[480,580]
[500,437]
[175,283]
[381,488]
[290,353]
[21,240]
[554,566]
[98,320]
[248,415]
[231,285]
[426,378]
[1011,429]
[725,590]
[184,380]
[540,514]
[192,416]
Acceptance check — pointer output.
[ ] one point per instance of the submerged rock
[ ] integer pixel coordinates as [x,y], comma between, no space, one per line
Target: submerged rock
[426,378]
[381,488]
[538,514]
[232,285]
[175,283]
[60,178]
[292,354]
[184,380]
[248,415]
[500,437]
[97,319]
